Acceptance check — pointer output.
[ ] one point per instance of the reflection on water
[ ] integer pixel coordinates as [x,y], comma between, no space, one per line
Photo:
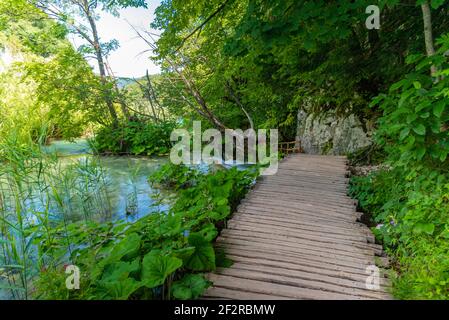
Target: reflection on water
[129,195]
[129,192]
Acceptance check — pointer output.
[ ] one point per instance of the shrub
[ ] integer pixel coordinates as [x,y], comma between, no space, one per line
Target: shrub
[410,202]
[411,209]
[135,137]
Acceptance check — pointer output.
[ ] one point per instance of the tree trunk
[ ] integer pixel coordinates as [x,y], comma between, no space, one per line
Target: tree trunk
[237,100]
[101,66]
[151,97]
[428,36]
[120,98]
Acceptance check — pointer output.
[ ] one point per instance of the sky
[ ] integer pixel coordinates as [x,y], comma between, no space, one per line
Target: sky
[128,60]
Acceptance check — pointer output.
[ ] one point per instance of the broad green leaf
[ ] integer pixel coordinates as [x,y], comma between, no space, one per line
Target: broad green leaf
[203,259]
[191,286]
[128,247]
[420,152]
[438,109]
[120,289]
[417,84]
[157,267]
[420,129]
[404,133]
[117,281]
[411,117]
[120,270]
[183,253]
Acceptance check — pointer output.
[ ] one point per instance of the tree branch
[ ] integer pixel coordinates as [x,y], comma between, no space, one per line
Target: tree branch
[221,7]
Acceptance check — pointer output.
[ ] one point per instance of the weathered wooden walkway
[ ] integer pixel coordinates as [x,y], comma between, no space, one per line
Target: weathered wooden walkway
[296,236]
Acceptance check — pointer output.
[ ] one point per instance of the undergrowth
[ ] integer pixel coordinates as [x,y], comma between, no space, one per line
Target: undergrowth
[161,256]
[410,200]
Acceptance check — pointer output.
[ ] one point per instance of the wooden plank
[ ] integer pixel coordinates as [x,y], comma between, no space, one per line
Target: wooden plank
[344,270]
[317,243]
[296,236]
[298,214]
[310,223]
[305,266]
[297,226]
[295,230]
[308,252]
[223,293]
[295,279]
[293,292]
[339,210]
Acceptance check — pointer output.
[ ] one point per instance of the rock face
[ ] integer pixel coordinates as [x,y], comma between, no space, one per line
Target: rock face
[329,134]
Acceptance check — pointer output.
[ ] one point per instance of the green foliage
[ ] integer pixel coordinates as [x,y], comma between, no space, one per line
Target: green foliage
[35,208]
[250,61]
[280,56]
[173,176]
[410,201]
[157,267]
[48,84]
[414,126]
[411,210]
[203,258]
[159,256]
[134,137]
[189,287]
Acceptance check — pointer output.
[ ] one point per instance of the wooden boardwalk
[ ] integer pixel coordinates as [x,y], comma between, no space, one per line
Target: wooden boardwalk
[296,236]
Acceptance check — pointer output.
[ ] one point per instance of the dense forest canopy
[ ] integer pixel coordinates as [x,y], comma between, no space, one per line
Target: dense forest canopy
[237,64]
[279,56]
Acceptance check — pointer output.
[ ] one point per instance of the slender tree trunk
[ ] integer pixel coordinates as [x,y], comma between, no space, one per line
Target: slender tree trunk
[237,100]
[428,36]
[120,98]
[191,89]
[200,100]
[101,65]
[155,99]
[430,49]
[147,94]
[151,98]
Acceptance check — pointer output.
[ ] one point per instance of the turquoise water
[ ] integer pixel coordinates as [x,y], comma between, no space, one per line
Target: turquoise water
[129,195]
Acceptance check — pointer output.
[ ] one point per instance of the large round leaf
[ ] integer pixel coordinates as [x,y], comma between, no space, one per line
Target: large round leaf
[157,267]
[203,258]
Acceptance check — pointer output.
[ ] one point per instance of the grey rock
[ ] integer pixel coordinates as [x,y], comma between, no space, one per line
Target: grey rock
[329,134]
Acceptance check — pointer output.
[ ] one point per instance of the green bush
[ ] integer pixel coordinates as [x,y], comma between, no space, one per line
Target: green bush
[135,137]
[411,209]
[173,176]
[410,202]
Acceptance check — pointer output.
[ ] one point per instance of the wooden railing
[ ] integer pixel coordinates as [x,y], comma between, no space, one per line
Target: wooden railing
[287,148]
